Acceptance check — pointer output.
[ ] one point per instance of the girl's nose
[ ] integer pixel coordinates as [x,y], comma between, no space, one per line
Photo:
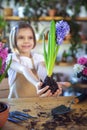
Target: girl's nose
[26,40]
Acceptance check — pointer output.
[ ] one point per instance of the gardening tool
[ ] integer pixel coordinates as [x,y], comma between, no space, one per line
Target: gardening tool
[18,117]
[63,109]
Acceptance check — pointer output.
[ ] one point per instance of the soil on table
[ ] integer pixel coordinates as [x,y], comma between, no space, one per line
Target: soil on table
[71,121]
[3,106]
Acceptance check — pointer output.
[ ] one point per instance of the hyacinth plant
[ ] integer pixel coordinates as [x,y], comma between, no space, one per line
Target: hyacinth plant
[3,67]
[56,35]
[80,69]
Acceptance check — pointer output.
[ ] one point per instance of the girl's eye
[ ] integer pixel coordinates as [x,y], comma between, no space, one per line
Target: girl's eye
[30,37]
[20,37]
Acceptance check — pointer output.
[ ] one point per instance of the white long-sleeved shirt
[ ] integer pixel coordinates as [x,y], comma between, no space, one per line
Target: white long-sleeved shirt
[21,81]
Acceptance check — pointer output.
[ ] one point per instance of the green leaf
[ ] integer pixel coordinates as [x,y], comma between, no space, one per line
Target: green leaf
[52,36]
[51,47]
[55,54]
[51,53]
[4,74]
[0,63]
[45,53]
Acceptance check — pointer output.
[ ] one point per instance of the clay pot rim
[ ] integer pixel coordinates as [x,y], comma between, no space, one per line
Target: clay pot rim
[6,106]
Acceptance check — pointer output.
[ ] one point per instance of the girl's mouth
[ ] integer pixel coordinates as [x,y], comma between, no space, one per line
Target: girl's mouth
[28,46]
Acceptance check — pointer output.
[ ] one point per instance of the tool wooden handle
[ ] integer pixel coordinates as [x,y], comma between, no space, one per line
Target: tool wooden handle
[80,98]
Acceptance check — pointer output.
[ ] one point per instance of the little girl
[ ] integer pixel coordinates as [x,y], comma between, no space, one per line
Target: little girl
[27,67]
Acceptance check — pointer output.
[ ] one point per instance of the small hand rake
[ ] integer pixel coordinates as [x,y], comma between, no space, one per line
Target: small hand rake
[18,116]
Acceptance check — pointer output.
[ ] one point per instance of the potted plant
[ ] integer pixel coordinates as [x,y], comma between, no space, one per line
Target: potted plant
[51,7]
[2,23]
[20,7]
[4,108]
[8,10]
[80,69]
[4,111]
[34,8]
[56,34]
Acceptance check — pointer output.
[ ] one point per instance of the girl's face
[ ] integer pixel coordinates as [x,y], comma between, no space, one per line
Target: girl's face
[25,41]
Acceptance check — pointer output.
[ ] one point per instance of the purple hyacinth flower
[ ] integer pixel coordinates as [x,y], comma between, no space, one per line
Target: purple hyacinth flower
[3,56]
[62,29]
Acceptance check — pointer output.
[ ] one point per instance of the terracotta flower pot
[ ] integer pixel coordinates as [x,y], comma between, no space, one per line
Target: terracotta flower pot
[8,12]
[52,12]
[4,111]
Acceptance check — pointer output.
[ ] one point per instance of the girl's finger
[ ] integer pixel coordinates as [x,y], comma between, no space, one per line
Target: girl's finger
[47,94]
[41,91]
[58,92]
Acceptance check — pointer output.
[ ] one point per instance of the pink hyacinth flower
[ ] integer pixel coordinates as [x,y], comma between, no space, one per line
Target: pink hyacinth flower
[82,60]
[85,71]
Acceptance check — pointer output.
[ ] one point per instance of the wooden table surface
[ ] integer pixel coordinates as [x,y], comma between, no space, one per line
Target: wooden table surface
[41,108]
[84,86]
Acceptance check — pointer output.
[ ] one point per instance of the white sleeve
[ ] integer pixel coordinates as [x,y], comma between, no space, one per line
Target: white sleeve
[38,58]
[25,71]
[42,73]
[40,65]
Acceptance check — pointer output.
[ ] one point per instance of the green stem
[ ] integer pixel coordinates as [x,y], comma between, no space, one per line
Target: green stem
[4,74]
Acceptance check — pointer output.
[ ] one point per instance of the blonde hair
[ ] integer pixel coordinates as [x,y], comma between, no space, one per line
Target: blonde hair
[13,34]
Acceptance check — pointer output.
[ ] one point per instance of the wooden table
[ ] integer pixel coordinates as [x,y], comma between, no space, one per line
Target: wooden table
[41,108]
[84,86]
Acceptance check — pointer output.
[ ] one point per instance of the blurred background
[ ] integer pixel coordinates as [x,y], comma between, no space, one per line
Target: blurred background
[39,13]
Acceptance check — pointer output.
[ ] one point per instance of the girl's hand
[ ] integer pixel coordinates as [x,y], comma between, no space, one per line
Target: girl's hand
[43,92]
[46,92]
[64,84]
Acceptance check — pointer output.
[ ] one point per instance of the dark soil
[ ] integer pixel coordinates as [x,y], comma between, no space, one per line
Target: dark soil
[64,120]
[49,81]
[3,106]
[70,120]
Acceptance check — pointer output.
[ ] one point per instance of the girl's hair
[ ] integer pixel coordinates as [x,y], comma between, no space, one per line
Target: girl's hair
[13,34]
